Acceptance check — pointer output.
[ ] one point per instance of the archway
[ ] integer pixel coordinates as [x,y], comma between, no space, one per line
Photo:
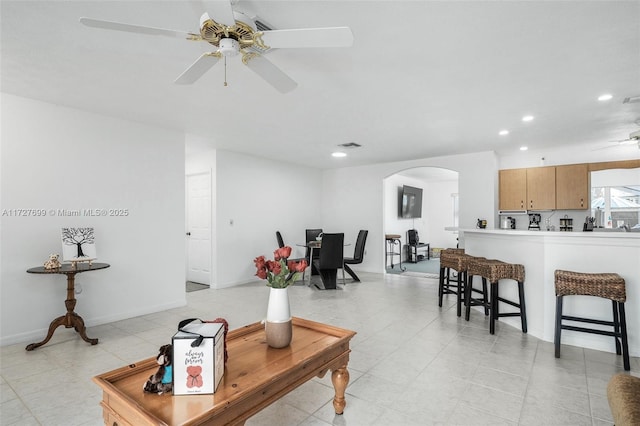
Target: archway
[436,222]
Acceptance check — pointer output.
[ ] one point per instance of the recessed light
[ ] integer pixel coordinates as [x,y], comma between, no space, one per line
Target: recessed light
[339,154]
[605,97]
[523,148]
[527,118]
[503,132]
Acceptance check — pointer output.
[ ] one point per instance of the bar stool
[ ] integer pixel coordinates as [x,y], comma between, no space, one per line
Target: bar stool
[606,285]
[452,259]
[494,271]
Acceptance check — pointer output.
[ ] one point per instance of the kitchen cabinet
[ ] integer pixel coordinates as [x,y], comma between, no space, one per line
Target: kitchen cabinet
[513,189]
[527,189]
[541,188]
[572,187]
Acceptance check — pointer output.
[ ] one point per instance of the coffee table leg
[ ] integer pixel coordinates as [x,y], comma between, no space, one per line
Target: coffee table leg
[340,380]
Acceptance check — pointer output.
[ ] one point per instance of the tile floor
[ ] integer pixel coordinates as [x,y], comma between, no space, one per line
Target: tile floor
[412,363]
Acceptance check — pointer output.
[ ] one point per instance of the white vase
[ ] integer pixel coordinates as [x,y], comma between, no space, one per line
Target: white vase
[278,327]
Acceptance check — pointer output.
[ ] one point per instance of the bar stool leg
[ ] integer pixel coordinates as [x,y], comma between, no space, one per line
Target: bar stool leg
[616,326]
[461,285]
[556,340]
[625,341]
[523,309]
[467,297]
[494,307]
[485,302]
[441,287]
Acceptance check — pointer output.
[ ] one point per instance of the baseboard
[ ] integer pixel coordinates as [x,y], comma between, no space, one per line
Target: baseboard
[39,334]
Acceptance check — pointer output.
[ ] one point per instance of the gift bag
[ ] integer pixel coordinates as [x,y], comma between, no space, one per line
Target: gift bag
[198,357]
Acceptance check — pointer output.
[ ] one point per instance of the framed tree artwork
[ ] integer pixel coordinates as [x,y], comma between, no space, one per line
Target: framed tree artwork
[78,245]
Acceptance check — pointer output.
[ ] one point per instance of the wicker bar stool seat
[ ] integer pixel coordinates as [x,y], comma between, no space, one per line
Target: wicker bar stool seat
[605,285]
[494,271]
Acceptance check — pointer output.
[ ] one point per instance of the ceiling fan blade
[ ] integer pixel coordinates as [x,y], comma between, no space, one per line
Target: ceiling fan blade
[269,72]
[198,68]
[613,144]
[221,12]
[139,29]
[309,37]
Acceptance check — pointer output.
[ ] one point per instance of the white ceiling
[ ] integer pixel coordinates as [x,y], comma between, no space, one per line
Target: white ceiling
[423,78]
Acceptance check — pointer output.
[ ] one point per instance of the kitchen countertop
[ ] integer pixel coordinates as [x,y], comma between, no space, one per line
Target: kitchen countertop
[579,234]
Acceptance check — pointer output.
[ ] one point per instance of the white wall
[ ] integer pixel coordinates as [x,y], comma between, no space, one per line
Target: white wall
[256,197]
[354,197]
[439,210]
[60,158]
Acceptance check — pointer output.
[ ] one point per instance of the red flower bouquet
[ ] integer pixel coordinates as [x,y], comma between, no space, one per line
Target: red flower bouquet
[279,272]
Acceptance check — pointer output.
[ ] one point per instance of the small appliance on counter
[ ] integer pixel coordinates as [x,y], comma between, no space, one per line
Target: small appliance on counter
[566,224]
[507,222]
[534,221]
[589,223]
[599,215]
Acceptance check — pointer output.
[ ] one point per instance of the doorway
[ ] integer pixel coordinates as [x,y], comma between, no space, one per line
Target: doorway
[438,221]
[198,230]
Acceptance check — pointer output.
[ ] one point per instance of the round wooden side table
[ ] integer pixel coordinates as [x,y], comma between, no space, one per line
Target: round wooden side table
[70,319]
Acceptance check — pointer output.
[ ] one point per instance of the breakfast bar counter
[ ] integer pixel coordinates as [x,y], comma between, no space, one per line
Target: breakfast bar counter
[541,253]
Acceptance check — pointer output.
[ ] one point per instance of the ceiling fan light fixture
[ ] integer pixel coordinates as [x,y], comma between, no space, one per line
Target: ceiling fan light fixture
[229,47]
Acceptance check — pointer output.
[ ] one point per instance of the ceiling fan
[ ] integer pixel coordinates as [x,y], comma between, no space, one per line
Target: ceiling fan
[232,33]
[634,138]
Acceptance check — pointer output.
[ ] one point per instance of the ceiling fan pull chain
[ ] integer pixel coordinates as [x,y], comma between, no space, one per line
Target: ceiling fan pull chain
[225,71]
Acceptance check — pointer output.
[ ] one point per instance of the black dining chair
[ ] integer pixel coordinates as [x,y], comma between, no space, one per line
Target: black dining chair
[310,235]
[358,254]
[330,259]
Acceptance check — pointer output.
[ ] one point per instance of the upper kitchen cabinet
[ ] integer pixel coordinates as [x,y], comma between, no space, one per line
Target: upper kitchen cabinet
[528,189]
[541,188]
[513,189]
[572,187]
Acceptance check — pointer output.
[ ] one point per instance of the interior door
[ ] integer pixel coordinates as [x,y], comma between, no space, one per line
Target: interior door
[199,228]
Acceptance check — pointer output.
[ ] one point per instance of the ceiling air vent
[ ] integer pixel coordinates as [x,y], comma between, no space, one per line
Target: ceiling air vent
[631,100]
[350,145]
[261,26]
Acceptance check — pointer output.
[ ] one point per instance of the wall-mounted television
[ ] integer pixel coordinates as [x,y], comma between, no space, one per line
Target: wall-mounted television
[409,202]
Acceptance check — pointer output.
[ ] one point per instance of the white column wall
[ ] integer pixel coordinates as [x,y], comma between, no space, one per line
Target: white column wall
[59,158]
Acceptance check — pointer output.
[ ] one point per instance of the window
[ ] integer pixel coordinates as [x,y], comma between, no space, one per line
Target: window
[616,206]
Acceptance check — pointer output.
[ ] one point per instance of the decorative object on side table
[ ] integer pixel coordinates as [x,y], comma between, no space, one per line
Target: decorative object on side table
[162,381]
[198,356]
[280,274]
[52,262]
[78,245]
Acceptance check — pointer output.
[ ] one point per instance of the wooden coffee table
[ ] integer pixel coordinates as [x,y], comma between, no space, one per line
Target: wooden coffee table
[255,376]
